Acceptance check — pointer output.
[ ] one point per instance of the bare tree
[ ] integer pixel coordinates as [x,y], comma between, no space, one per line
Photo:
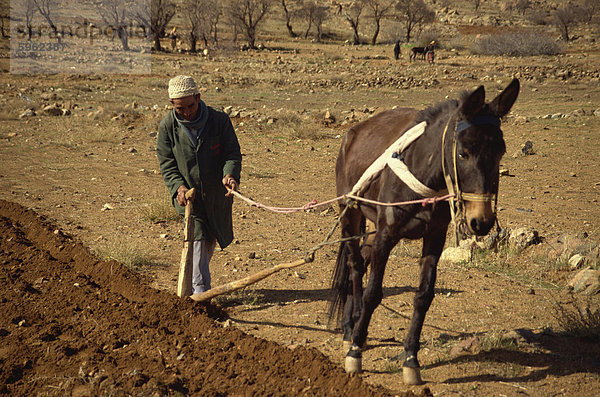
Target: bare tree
[352,14]
[379,9]
[45,7]
[289,12]
[26,9]
[319,16]
[203,17]
[476,4]
[156,18]
[115,14]
[314,14]
[414,13]
[564,18]
[248,14]
[590,9]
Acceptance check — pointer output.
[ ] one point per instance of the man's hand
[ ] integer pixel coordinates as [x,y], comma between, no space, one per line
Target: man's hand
[230,183]
[181,195]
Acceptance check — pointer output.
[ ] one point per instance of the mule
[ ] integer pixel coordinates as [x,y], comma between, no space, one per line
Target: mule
[459,151]
[416,51]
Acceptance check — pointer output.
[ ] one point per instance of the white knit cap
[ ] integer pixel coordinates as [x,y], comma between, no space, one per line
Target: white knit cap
[182,86]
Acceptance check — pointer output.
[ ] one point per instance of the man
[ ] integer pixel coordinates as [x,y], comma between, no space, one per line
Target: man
[430,52]
[173,37]
[397,50]
[197,148]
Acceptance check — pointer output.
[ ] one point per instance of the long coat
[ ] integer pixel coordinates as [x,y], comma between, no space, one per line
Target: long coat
[216,155]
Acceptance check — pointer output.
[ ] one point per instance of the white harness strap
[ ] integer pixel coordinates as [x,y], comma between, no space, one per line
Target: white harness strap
[396,165]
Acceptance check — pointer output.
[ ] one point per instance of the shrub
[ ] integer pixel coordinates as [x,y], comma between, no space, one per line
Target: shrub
[577,318]
[516,44]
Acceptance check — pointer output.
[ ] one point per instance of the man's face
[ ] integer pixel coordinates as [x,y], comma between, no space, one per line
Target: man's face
[186,107]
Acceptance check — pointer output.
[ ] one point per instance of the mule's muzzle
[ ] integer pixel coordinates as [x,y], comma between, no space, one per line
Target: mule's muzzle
[480,212]
[481,227]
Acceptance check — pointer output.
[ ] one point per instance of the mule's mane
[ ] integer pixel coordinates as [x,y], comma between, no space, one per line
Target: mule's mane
[433,112]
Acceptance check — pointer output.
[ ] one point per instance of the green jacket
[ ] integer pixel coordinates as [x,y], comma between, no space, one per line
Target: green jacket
[203,168]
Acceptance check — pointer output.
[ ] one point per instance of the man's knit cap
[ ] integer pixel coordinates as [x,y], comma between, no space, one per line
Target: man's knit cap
[182,86]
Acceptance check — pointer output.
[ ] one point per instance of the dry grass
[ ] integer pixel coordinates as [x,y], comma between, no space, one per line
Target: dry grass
[128,253]
[158,210]
[578,316]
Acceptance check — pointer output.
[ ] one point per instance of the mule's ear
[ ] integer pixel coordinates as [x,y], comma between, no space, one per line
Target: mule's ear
[473,103]
[501,105]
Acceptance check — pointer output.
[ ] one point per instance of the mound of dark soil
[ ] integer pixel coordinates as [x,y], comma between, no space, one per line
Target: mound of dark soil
[71,324]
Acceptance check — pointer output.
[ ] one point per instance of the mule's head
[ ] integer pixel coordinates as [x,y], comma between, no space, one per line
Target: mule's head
[479,148]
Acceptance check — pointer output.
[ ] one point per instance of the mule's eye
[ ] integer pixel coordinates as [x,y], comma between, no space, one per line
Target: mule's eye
[463,155]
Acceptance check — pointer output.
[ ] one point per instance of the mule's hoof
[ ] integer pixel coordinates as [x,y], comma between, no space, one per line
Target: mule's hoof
[412,376]
[353,365]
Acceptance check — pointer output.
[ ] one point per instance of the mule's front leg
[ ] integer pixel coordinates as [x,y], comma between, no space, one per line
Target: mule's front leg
[432,249]
[371,299]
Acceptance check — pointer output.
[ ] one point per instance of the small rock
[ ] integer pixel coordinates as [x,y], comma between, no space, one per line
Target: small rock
[53,110]
[527,149]
[586,281]
[471,345]
[523,237]
[577,261]
[456,255]
[132,150]
[27,113]
[107,207]
[252,255]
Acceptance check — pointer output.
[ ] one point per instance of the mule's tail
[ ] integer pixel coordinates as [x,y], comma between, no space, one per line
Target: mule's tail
[339,285]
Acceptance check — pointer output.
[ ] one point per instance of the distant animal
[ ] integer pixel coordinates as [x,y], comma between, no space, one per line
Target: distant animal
[397,50]
[416,51]
[459,151]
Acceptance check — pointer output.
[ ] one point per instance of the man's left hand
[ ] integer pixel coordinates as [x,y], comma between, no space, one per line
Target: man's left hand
[230,183]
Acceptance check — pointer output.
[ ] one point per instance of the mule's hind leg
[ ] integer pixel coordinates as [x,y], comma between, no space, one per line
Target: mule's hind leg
[351,226]
[433,244]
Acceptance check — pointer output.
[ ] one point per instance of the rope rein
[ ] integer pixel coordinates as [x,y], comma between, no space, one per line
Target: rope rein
[314,204]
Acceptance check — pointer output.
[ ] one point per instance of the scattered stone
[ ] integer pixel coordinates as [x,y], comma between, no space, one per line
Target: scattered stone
[228,110]
[523,237]
[597,112]
[527,149]
[27,113]
[456,255]
[107,207]
[132,150]
[586,281]
[53,110]
[577,261]
[329,118]
[471,345]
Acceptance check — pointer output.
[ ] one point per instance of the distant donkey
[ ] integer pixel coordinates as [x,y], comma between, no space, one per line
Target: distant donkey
[416,50]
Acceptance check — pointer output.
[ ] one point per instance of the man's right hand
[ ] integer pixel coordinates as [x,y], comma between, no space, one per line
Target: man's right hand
[181,195]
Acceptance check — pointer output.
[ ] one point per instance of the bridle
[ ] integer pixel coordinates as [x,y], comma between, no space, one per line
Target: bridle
[457,202]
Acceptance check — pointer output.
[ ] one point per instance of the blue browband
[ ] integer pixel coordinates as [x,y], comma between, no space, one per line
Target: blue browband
[479,120]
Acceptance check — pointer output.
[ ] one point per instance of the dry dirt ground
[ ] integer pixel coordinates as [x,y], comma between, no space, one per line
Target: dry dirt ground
[72,323]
